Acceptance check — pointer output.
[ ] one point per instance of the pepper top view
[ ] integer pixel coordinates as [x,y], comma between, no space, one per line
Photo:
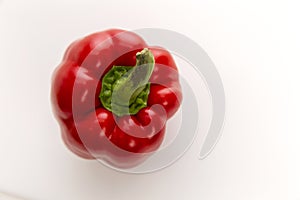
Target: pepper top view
[112,95]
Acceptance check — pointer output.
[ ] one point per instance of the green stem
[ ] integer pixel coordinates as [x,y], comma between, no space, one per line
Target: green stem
[125,89]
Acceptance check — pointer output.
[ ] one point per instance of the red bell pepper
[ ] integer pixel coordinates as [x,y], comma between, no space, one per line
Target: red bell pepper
[104,95]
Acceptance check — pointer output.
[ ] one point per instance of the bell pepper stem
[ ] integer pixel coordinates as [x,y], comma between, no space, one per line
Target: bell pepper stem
[125,89]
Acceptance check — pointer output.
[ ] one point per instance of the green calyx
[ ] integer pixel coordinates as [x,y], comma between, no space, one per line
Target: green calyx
[125,89]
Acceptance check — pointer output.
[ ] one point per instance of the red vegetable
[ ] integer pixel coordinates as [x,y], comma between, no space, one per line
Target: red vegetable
[105,95]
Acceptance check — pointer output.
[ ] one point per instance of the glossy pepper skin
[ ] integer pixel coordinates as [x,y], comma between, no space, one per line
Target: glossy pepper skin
[88,128]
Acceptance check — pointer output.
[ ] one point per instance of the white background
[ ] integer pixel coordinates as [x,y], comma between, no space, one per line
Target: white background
[255,46]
